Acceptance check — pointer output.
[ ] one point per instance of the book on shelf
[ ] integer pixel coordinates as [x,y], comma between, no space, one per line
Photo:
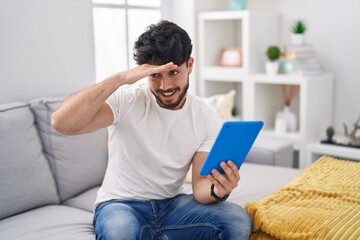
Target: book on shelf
[299,52]
[299,48]
[299,55]
[300,59]
[308,66]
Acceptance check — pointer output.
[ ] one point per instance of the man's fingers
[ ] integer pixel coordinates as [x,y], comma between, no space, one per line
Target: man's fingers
[166,67]
[230,179]
[219,187]
[232,174]
[149,69]
[223,180]
[235,169]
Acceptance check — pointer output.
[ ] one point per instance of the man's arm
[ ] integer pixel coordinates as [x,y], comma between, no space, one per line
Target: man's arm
[224,183]
[86,110]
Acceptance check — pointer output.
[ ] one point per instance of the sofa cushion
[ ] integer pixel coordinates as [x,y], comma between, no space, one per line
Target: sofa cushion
[84,201]
[271,151]
[257,181]
[25,178]
[50,222]
[78,162]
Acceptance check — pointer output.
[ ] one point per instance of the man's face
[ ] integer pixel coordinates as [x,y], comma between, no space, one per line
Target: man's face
[170,87]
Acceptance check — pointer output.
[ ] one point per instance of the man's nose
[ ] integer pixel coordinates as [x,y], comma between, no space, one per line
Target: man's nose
[165,83]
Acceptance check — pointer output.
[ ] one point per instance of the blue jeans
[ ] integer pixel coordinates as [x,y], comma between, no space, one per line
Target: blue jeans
[180,217]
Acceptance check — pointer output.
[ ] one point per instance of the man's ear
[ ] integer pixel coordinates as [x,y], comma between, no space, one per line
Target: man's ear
[190,65]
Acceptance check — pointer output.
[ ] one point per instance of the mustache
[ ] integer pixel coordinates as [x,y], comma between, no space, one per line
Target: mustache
[168,90]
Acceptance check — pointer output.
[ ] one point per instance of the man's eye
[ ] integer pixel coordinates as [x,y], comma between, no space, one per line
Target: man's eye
[155,75]
[174,72]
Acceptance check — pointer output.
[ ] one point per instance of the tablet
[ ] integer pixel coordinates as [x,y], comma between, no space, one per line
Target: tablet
[232,143]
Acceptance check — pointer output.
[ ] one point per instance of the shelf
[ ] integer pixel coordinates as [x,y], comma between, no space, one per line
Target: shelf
[237,74]
[315,150]
[289,135]
[293,137]
[287,79]
[276,79]
[216,73]
[223,15]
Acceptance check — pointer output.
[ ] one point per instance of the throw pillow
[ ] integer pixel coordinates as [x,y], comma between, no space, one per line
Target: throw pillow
[223,103]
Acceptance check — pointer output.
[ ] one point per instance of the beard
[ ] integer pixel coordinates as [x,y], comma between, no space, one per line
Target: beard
[171,105]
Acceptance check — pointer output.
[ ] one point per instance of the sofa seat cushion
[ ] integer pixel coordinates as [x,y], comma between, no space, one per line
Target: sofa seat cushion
[26,181]
[84,201]
[271,151]
[78,162]
[256,182]
[49,222]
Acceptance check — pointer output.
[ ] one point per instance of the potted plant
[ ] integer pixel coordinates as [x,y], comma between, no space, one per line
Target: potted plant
[298,30]
[272,65]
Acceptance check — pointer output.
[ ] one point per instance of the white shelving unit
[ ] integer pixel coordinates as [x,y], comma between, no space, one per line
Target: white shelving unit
[229,29]
[315,150]
[259,96]
[312,104]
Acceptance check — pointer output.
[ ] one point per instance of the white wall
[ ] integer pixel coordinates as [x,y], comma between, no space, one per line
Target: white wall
[46,48]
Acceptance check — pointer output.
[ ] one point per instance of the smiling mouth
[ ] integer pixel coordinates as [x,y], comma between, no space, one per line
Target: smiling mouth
[168,93]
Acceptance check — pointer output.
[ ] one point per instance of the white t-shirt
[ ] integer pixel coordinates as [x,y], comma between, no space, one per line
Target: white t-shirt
[151,148]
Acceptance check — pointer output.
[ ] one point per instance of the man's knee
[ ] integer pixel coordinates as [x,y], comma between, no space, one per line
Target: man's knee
[118,230]
[237,224]
[116,223]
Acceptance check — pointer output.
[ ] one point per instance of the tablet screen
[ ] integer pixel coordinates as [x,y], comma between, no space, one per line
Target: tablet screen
[233,142]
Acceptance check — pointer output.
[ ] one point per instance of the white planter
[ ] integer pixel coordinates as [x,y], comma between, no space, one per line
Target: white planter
[280,125]
[297,39]
[285,119]
[272,68]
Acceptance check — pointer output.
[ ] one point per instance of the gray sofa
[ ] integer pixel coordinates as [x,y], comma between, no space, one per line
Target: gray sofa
[48,181]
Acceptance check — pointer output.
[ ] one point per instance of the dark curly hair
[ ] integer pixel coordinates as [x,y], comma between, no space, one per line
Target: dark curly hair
[162,43]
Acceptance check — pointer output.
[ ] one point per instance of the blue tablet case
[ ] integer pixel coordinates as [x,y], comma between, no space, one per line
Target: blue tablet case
[232,143]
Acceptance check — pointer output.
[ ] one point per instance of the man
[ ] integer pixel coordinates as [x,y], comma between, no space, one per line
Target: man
[156,131]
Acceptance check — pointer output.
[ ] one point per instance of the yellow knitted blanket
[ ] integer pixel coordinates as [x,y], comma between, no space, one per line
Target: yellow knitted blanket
[323,202]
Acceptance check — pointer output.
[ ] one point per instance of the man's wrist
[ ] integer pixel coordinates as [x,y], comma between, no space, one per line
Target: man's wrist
[212,194]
